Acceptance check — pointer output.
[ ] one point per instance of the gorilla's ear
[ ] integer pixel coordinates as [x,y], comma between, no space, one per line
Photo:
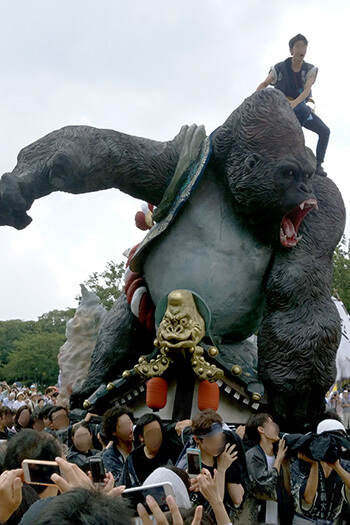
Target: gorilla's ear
[251,161]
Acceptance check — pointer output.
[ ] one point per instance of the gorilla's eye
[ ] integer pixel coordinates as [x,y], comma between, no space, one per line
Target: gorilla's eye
[289,172]
[309,175]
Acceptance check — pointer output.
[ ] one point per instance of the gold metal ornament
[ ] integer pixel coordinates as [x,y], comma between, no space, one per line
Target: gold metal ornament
[256,396]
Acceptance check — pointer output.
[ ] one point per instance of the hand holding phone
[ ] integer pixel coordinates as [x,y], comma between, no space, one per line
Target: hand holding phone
[158,491]
[194,462]
[97,469]
[38,472]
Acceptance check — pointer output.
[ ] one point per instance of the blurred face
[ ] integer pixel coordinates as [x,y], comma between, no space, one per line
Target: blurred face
[271,430]
[47,422]
[23,419]
[299,50]
[9,420]
[152,436]
[82,439]
[124,428]
[60,420]
[213,444]
[38,425]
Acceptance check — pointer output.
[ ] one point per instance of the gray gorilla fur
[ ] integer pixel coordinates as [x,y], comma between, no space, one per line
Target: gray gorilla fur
[224,244]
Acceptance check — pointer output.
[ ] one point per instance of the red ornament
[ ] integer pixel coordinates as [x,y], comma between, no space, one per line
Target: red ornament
[156,395]
[208,395]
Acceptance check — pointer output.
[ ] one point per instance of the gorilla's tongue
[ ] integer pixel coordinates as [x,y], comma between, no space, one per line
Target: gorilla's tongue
[289,236]
[291,222]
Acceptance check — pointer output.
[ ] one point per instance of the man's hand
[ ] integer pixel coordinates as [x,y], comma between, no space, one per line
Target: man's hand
[240,431]
[293,104]
[159,516]
[181,425]
[228,456]
[282,450]
[10,492]
[208,486]
[75,477]
[305,458]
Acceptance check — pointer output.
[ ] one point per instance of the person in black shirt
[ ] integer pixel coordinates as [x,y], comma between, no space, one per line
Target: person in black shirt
[159,446]
[81,450]
[295,77]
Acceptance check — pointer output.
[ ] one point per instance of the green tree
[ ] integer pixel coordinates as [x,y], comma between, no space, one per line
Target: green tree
[108,285]
[11,331]
[341,268]
[34,357]
[55,320]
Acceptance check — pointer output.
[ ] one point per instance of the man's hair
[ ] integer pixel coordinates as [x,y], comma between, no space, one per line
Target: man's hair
[30,444]
[45,410]
[110,421]
[85,507]
[203,421]
[295,39]
[251,426]
[82,424]
[56,409]
[4,411]
[329,414]
[144,420]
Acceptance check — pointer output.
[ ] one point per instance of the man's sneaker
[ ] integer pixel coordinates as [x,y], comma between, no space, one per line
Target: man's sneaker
[320,171]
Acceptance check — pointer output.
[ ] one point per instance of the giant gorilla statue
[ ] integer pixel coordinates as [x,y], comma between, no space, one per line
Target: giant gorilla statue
[231,226]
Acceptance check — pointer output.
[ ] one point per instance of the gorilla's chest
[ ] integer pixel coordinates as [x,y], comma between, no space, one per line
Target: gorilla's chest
[208,250]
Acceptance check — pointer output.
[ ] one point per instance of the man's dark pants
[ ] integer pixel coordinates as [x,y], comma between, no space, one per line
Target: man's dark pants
[303,112]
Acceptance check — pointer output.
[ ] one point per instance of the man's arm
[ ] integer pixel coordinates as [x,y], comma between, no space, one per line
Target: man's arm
[305,93]
[345,476]
[266,82]
[236,492]
[312,481]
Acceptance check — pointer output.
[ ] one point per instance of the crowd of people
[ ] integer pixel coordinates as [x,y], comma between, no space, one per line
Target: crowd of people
[248,475]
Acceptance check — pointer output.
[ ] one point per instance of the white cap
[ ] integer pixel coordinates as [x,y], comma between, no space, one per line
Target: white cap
[328,425]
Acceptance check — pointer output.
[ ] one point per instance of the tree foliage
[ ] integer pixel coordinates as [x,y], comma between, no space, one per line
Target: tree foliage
[34,358]
[341,268]
[29,349]
[108,285]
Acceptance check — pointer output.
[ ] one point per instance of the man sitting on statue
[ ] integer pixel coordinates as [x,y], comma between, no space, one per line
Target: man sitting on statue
[294,77]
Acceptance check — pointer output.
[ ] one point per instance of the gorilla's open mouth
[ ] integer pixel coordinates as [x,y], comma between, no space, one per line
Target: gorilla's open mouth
[292,220]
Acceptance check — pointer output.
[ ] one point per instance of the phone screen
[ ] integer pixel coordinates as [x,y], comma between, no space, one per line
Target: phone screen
[139,496]
[97,469]
[193,463]
[40,474]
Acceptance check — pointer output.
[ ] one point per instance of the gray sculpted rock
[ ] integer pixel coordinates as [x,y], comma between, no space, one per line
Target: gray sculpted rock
[74,358]
[241,220]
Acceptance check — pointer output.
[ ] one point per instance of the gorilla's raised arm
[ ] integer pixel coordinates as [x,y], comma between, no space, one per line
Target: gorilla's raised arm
[81,159]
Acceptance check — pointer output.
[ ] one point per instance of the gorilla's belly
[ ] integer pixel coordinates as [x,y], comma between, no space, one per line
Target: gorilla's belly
[208,250]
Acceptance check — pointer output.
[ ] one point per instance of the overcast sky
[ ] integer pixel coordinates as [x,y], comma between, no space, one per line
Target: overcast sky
[144,67]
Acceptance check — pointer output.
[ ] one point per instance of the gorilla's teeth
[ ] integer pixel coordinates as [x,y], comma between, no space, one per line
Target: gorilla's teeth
[302,205]
[284,238]
[299,238]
